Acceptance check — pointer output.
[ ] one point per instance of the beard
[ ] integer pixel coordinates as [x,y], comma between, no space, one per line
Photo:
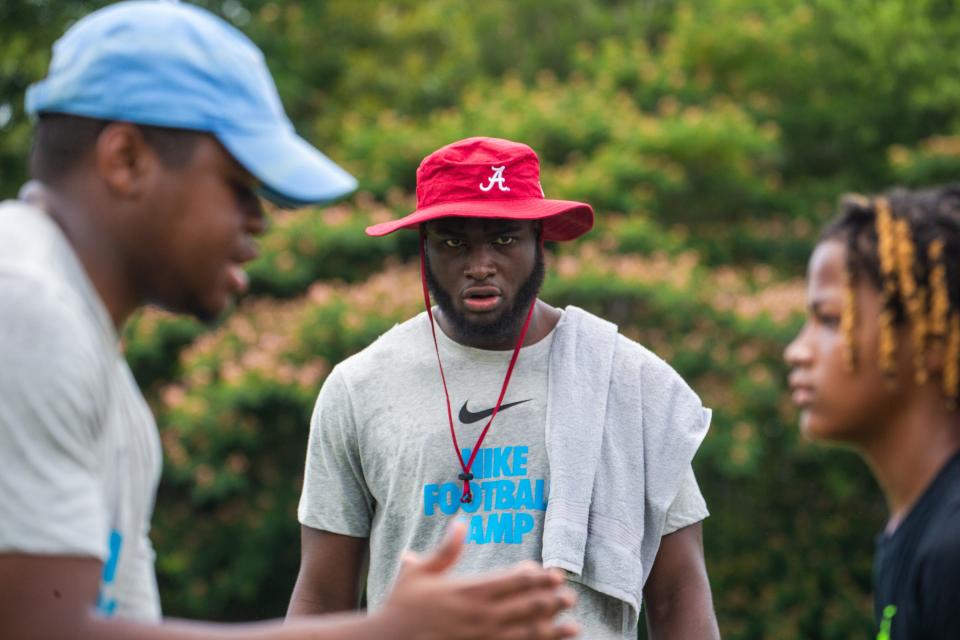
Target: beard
[508,323]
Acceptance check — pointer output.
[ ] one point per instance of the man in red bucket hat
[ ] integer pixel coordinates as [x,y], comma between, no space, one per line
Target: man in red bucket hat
[555,438]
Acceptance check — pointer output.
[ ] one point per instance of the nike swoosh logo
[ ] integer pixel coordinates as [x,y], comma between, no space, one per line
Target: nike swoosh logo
[469,417]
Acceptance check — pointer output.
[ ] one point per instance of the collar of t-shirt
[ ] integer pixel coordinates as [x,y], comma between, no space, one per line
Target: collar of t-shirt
[451,348]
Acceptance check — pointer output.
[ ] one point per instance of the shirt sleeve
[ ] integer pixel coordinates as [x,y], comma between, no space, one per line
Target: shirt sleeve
[688,507]
[52,398]
[335,495]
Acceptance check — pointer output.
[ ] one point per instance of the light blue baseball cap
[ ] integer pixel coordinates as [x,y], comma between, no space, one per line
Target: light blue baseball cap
[167,64]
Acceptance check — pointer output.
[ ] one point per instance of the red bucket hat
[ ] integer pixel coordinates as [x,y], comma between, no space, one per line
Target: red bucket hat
[489,178]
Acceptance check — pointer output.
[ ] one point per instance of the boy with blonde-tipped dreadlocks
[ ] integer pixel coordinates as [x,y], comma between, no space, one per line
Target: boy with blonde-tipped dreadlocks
[877,366]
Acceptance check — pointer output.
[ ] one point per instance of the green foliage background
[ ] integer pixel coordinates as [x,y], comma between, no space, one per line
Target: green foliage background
[712,136]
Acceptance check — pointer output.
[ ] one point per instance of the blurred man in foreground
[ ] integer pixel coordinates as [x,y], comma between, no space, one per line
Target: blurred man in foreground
[159,125]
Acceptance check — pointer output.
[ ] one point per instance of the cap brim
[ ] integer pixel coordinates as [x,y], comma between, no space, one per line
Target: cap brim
[562,219]
[292,173]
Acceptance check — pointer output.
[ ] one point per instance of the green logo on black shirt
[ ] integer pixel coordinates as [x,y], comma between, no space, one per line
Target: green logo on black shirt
[888,612]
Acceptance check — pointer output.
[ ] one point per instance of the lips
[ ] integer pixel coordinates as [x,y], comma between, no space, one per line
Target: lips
[237,278]
[801,392]
[236,275]
[480,299]
[802,397]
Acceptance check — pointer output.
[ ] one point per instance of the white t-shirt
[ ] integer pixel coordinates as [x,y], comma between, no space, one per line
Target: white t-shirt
[381,462]
[80,456]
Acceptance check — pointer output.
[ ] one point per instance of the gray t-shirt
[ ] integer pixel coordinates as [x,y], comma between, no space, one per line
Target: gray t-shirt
[79,450]
[381,462]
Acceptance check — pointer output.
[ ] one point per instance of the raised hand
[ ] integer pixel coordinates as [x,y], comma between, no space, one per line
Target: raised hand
[520,603]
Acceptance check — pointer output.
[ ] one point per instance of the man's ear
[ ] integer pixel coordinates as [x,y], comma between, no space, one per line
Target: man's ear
[124,160]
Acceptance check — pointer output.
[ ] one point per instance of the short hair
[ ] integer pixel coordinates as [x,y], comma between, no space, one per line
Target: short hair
[61,141]
[907,246]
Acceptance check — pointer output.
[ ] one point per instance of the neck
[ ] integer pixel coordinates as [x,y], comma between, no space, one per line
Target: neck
[76,210]
[544,319]
[907,456]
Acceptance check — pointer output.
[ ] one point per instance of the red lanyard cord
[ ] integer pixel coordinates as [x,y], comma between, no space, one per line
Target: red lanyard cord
[465,475]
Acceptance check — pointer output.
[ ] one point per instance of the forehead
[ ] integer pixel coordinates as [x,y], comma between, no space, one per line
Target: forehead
[477,225]
[224,160]
[825,272]
[203,154]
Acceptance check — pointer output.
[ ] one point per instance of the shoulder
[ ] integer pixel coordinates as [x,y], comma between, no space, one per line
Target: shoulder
[393,352]
[56,359]
[29,240]
[35,253]
[633,360]
[43,316]
[937,571]
[401,342]
[633,363]
[940,549]
[632,354]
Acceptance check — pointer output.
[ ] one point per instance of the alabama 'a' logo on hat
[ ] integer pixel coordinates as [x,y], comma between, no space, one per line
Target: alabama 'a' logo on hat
[496,179]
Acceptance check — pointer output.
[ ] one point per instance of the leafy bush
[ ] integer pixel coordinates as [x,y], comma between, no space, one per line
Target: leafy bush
[683,166]
[310,245]
[713,138]
[935,160]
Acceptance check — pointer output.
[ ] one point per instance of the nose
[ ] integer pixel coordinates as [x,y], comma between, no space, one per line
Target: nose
[798,352]
[480,264]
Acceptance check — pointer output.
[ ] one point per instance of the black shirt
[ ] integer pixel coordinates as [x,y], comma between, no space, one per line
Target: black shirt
[917,569]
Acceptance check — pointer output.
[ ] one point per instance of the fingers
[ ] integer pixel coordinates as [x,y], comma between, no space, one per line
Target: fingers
[408,561]
[520,603]
[537,605]
[446,555]
[525,601]
[522,577]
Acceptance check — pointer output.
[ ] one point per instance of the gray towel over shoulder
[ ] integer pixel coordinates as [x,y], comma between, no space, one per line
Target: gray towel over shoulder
[622,427]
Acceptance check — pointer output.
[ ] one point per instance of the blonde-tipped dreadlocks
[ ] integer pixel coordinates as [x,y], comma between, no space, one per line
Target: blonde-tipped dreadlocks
[914,297]
[951,369]
[939,298]
[848,320]
[887,249]
[907,245]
